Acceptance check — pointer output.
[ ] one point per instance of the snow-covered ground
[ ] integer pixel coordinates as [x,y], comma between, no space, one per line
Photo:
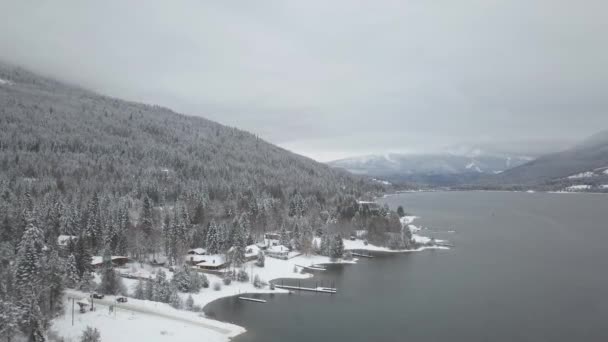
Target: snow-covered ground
[582,175]
[3,81]
[578,187]
[153,321]
[140,320]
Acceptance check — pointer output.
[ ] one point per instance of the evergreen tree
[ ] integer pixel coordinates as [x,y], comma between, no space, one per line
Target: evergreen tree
[90,335]
[71,273]
[149,290]
[212,243]
[29,260]
[190,303]
[261,260]
[139,292]
[10,318]
[111,283]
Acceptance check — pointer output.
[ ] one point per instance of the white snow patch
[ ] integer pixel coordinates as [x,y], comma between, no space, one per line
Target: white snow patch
[582,175]
[604,186]
[6,82]
[140,320]
[578,187]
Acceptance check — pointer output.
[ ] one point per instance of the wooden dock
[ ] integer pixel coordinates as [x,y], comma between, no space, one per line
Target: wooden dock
[252,299]
[362,255]
[312,268]
[310,289]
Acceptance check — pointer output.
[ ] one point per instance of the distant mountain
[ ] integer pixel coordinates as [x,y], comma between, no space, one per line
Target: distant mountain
[583,166]
[450,168]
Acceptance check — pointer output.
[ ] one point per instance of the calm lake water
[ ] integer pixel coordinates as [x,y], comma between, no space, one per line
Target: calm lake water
[526,267]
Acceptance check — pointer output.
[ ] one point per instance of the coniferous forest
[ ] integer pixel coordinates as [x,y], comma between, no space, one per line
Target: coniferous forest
[145,182]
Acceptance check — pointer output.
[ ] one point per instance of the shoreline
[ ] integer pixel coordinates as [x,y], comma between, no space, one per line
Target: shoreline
[142,313]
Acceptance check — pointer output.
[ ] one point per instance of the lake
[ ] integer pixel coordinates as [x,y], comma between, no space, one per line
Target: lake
[525,267]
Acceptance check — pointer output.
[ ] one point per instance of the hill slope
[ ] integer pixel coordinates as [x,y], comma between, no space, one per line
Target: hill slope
[84,142]
[584,163]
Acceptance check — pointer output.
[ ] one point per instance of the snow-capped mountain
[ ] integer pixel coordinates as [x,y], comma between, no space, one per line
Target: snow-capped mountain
[433,169]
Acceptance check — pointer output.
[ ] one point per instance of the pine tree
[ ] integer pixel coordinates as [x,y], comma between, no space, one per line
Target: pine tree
[53,276]
[174,299]
[139,292]
[149,290]
[90,335]
[71,272]
[261,260]
[111,283]
[10,318]
[284,237]
[29,260]
[212,238]
[190,303]
[83,258]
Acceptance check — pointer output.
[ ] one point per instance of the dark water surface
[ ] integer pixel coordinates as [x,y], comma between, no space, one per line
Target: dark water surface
[526,267]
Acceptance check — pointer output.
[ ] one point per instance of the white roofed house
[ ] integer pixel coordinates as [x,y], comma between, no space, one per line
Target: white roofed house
[63,241]
[279,252]
[215,264]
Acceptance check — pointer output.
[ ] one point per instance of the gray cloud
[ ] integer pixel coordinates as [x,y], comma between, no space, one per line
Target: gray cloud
[336,78]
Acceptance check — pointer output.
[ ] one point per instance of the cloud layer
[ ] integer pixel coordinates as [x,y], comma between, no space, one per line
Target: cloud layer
[336,78]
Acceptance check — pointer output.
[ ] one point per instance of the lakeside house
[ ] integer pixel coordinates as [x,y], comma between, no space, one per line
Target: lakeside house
[117,261]
[369,206]
[63,241]
[278,252]
[195,255]
[251,252]
[212,264]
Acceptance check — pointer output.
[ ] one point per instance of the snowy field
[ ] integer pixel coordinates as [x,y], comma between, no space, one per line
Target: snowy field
[140,320]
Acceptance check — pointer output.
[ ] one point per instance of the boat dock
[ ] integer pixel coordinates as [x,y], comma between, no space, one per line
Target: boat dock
[252,299]
[310,289]
[362,255]
[312,268]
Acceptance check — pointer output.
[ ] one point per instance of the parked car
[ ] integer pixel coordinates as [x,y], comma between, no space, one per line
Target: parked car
[96,295]
[121,299]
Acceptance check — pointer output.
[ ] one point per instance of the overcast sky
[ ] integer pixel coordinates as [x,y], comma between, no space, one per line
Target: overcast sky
[331,79]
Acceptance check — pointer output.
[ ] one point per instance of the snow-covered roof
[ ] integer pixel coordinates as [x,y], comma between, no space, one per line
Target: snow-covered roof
[98,260]
[63,240]
[199,251]
[278,249]
[251,250]
[212,260]
[366,202]
[195,257]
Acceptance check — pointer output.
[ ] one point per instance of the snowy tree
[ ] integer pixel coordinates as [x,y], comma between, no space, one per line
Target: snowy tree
[71,272]
[190,303]
[212,242]
[111,283]
[261,259]
[90,335]
[139,292]
[10,318]
[284,237]
[174,299]
[336,247]
[29,260]
[33,320]
[149,290]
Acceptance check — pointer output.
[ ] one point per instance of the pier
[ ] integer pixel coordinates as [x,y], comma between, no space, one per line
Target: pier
[253,299]
[312,268]
[310,289]
[362,255]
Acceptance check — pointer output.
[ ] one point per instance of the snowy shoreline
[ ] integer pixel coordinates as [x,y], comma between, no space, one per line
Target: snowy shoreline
[155,321]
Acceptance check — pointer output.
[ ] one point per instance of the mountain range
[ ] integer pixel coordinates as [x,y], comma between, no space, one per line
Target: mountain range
[443,169]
